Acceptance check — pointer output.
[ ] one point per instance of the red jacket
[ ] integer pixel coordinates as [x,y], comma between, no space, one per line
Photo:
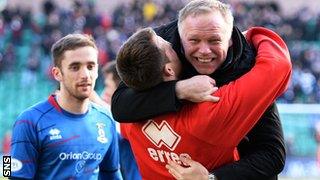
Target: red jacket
[241,104]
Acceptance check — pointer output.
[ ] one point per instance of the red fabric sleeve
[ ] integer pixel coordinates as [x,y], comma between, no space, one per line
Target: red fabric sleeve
[123,130]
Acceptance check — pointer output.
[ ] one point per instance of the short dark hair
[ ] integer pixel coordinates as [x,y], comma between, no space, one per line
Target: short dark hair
[70,42]
[140,62]
[110,67]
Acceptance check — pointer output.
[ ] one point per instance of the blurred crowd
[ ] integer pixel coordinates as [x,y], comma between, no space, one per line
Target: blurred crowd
[26,37]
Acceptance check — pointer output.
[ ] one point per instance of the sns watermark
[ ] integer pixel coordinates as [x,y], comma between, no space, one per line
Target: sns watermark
[6,166]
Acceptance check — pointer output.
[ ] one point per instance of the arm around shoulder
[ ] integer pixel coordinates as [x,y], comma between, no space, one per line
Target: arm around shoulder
[129,105]
[275,49]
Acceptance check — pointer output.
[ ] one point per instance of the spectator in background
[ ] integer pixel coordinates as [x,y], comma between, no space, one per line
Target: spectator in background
[66,136]
[128,165]
[149,11]
[111,81]
[29,77]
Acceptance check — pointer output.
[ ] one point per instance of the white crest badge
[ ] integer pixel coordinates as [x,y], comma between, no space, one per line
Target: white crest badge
[101,133]
[55,134]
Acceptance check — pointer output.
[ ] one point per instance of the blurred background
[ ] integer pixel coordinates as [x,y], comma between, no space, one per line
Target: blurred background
[29,28]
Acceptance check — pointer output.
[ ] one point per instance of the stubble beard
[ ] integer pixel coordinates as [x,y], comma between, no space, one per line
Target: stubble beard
[78,96]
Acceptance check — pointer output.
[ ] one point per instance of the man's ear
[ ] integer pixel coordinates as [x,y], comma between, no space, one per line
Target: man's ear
[57,74]
[168,71]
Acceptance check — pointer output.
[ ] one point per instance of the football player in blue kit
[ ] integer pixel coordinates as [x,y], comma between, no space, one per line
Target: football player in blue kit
[67,136]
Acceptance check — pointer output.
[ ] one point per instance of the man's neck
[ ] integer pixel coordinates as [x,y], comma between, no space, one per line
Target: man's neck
[170,78]
[72,104]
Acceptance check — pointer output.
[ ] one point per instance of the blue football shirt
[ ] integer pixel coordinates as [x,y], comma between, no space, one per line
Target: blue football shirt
[51,143]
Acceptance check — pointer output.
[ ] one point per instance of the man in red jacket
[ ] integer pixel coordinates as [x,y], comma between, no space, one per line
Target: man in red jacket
[146,60]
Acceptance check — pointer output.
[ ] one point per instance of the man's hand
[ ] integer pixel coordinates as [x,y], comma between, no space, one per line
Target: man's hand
[197,89]
[194,170]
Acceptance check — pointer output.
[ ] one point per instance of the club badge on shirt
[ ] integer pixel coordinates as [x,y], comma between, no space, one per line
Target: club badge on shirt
[101,133]
[55,134]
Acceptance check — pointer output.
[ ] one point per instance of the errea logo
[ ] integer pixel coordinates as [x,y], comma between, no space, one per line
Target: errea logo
[161,134]
[55,134]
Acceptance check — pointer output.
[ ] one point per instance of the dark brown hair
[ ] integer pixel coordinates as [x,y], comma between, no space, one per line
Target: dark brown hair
[140,62]
[70,42]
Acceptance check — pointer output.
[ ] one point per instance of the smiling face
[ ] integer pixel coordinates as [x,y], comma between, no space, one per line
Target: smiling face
[78,72]
[205,38]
